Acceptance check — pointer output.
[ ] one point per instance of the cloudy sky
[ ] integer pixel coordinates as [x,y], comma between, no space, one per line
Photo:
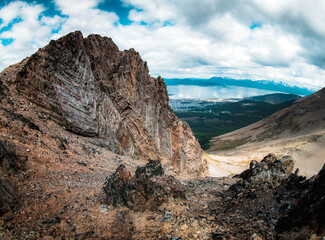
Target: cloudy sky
[280,40]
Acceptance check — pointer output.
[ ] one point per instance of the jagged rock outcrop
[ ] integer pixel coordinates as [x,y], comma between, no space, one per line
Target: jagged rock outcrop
[148,189]
[89,87]
[270,170]
[289,205]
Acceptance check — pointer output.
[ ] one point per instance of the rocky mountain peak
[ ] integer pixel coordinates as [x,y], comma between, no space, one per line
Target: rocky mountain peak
[91,88]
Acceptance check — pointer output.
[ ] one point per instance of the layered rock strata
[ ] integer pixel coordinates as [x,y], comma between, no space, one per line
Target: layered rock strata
[89,87]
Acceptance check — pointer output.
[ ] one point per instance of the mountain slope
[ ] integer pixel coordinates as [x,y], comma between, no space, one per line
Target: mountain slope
[297,130]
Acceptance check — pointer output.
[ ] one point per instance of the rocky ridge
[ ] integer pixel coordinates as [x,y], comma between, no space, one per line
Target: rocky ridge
[89,87]
[70,114]
[267,201]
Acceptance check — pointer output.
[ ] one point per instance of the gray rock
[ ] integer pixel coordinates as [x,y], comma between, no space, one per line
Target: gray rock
[168,215]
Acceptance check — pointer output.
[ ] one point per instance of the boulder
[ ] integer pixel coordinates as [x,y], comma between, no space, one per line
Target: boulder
[147,189]
[270,170]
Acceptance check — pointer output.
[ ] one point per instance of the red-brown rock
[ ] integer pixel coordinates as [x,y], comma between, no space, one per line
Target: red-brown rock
[90,88]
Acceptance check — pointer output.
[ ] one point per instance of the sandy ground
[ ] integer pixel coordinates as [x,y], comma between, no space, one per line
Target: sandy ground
[220,166]
[308,152]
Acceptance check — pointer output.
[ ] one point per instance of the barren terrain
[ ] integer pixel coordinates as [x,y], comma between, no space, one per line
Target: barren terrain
[308,151]
[298,131]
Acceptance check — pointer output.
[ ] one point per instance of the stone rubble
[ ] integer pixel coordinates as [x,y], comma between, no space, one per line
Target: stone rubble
[148,189]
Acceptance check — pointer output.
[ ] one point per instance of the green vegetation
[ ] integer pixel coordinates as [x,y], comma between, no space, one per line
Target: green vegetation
[219,119]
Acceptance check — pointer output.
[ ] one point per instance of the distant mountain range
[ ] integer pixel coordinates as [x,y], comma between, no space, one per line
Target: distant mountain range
[259,84]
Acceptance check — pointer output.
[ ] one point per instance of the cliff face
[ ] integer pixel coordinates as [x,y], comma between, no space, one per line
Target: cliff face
[90,88]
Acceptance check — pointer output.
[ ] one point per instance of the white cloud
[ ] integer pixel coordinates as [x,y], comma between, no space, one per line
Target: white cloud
[269,46]
[82,15]
[189,38]
[28,34]
[10,12]
[151,11]
[76,7]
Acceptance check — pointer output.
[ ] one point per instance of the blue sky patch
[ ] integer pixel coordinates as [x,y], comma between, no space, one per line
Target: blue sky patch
[6,41]
[9,26]
[49,6]
[143,23]
[255,25]
[168,23]
[120,9]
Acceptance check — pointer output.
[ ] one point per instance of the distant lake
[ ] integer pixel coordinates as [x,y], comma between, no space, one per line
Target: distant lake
[222,92]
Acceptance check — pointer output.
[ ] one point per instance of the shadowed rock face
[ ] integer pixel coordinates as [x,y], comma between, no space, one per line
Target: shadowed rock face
[310,209]
[10,164]
[89,87]
[291,206]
